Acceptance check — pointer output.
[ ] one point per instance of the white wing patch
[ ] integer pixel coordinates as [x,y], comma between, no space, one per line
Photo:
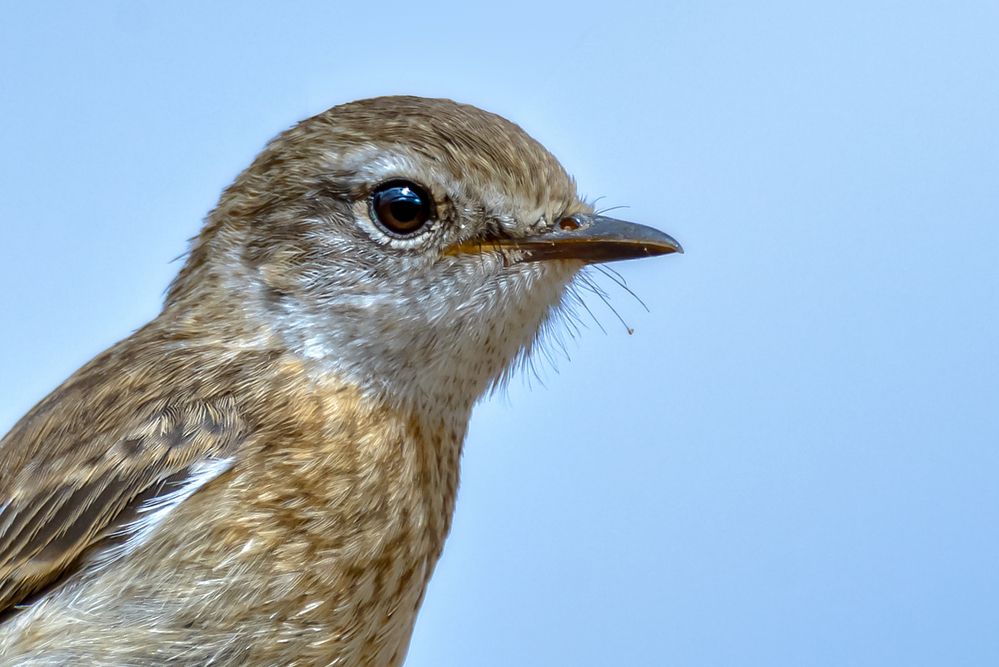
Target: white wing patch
[152,511]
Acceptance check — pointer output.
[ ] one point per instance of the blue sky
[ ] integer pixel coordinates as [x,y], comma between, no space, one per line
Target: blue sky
[794,458]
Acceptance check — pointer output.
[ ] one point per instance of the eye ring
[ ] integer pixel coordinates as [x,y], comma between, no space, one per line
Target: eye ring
[401,207]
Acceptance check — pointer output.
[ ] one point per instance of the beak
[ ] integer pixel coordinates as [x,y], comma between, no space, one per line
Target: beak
[589,238]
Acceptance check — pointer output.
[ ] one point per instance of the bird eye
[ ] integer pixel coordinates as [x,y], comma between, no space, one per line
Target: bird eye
[401,207]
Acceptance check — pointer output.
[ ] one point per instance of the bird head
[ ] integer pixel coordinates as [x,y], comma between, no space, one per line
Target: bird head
[414,247]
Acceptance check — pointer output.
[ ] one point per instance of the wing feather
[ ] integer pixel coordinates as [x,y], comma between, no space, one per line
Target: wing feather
[103,487]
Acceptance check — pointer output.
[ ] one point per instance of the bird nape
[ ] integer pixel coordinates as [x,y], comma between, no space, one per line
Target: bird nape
[265,473]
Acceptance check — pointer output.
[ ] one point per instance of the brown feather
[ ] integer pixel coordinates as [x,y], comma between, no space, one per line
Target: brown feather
[81,488]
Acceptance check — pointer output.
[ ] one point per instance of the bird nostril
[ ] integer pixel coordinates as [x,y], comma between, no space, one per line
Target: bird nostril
[568,224]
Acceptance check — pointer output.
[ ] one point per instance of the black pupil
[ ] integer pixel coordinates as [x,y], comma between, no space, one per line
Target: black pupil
[401,207]
[406,206]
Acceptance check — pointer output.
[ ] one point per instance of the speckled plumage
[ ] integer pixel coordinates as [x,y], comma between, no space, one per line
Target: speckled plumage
[266,473]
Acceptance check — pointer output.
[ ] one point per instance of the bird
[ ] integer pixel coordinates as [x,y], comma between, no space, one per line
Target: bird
[265,473]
